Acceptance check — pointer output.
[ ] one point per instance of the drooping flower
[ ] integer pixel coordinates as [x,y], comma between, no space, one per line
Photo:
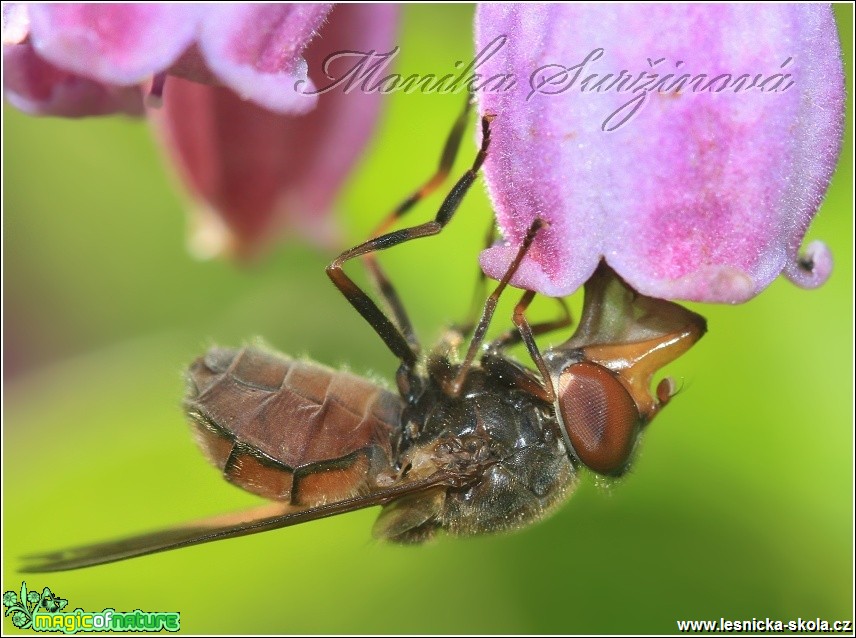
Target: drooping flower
[696,183]
[253,172]
[90,59]
[257,147]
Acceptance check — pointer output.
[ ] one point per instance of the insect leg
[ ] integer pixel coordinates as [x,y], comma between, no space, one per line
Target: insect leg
[460,332]
[447,159]
[528,337]
[384,286]
[393,301]
[490,305]
[513,337]
[387,331]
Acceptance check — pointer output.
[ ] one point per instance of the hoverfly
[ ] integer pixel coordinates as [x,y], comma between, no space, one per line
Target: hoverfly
[467,447]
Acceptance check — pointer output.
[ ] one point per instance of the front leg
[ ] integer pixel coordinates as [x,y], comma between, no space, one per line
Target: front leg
[392,336]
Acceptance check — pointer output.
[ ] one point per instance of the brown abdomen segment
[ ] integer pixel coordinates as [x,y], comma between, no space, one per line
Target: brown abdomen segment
[290,430]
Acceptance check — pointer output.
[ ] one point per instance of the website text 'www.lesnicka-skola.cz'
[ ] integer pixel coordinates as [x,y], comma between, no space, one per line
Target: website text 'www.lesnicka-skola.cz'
[766,625]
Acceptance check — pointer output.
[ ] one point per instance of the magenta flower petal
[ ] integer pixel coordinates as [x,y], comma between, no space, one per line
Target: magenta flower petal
[256,172]
[256,49]
[37,87]
[114,43]
[700,194]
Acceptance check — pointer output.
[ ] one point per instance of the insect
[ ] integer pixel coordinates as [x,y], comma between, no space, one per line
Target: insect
[469,446]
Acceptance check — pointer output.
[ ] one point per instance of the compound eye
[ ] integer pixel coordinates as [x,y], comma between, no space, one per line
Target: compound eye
[600,417]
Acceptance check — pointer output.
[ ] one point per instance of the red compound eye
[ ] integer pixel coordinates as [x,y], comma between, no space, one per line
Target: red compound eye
[600,417]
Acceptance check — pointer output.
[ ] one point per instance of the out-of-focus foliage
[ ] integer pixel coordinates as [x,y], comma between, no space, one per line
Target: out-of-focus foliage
[739,506]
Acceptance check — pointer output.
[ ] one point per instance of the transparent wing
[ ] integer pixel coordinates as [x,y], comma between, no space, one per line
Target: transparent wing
[252,521]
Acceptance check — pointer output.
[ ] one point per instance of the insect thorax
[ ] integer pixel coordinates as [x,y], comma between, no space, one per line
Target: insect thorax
[502,436]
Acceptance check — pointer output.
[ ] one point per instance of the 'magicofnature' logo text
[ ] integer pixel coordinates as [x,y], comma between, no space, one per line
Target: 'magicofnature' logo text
[45,611]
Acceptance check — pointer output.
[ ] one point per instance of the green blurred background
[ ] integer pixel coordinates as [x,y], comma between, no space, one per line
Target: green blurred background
[739,506]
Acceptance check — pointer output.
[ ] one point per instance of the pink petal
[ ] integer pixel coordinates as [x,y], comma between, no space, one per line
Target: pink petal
[257,49]
[700,195]
[39,88]
[16,22]
[114,43]
[258,171]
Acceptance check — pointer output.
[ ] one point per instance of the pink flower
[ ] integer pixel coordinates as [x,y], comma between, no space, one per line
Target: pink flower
[254,172]
[255,145]
[36,86]
[700,190]
[67,57]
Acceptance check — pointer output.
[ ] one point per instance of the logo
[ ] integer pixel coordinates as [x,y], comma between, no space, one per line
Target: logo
[30,609]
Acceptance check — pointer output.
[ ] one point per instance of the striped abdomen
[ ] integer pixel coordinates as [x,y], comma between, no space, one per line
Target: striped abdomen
[290,430]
